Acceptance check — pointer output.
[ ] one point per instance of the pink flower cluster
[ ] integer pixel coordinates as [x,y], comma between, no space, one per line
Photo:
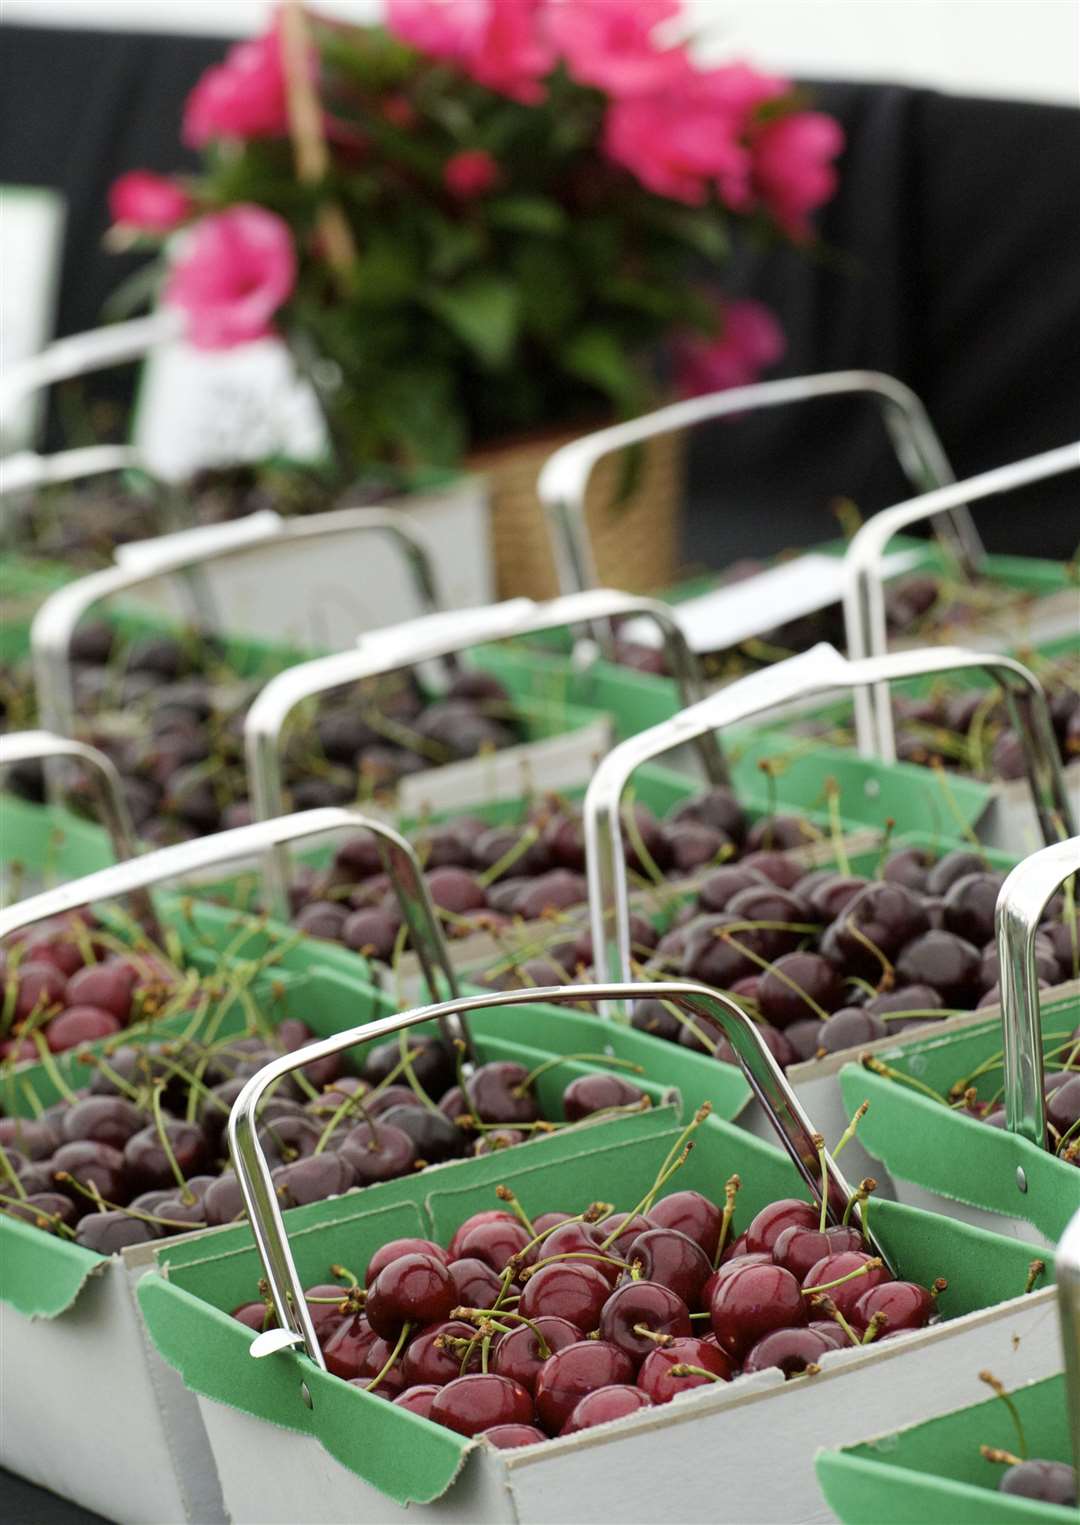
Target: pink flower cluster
[236,270]
[750,340]
[241,97]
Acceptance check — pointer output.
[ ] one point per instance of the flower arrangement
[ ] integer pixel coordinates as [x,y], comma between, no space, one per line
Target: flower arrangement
[484,217]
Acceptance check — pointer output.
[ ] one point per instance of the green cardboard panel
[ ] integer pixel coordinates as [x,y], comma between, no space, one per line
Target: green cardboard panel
[42,1275]
[615,1161]
[934,1471]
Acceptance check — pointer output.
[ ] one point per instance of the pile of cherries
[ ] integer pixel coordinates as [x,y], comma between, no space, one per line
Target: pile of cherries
[170,714]
[521,1330]
[140,1152]
[488,878]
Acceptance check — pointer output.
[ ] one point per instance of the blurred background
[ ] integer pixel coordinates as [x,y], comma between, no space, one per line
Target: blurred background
[949,254]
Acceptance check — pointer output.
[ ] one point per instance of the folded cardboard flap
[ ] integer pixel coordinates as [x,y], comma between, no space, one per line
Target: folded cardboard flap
[41,1275]
[935,1471]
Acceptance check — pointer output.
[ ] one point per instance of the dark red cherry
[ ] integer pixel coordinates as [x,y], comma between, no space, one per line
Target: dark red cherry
[691,1214]
[724,883]
[832,1267]
[795,985]
[149,1165]
[428,1358]
[946,962]
[80,1024]
[414,1289]
[571,1290]
[831,1331]
[435,1138]
[40,986]
[489,1215]
[597,1093]
[717,808]
[109,987]
[382,1153]
[99,1165]
[313,1179]
[952,866]
[223,1202]
[497,1094]
[112,1231]
[751,1303]
[347,1349]
[777,867]
[324,1302]
[904,1304]
[884,915]
[507,1437]
[910,867]
[105,1119]
[674,1260]
[391,1382]
[833,894]
[629,1230]
[1050,1482]
[576,1238]
[656,1378]
[395,1248]
[569,1374]
[34,1137]
[494,1243]
[798,1250]
[850,1027]
[767,1225]
[969,906]
[603,1405]
[256,1316]
[1063,1105]
[642,1305]
[476,1285]
[793,1350]
[417,1400]
[480,1401]
[519,1355]
[43,1208]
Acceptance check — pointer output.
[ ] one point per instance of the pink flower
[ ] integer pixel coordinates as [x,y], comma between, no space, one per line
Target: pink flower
[793,170]
[470,173]
[610,44]
[242,97]
[502,44]
[151,203]
[235,271]
[679,143]
[750,339]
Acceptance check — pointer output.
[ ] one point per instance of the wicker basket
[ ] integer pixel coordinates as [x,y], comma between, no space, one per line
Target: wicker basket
[635,542]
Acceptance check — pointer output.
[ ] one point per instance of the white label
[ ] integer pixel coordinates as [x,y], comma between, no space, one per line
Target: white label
[200,408]
[31,231]
[199,544]
[736,612]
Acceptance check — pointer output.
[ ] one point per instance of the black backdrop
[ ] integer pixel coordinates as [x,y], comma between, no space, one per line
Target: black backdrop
[953,263]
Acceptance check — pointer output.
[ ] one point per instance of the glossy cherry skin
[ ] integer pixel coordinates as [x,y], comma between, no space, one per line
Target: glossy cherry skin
[417,1400]
[655,1376]
[480,1401]
[494,1243]
[674,1260]
[646,1304]
[904,1304]
[43,1208]
[629,1230]
[490,1215]
[507,1437]
[831,1331]
[588,1094]
[572,1290]
[149,1165]
[255,1316]
[571,1373]
[414,1289]
[112,1231]
[495,1092]
[604,1405]
[798,1250]
[691,1214]
[518,1354]
[394,1248]
[792,1350]
[578,1238]
[313,1179]
[380,1154]
[326,1316]
[35,1137]
[767,1225]
[390,1383]
[347,1349]
[40,985]
[834,1266]
[476,1285]
[425,1360]
[105,1119]
[80,1024]
[109,986]
[98,1164]
[751,1303]
[782,1003]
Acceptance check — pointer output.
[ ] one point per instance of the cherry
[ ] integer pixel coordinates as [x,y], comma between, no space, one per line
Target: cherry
[92,1164]
[831,1267]
[768,903]
[850,1027]
[414,1289]
[40,985]
[109,986]
[717,808]
[752,1302]
[832,1332]
[325,1316]
[507,1437]
[946,962]
[497,843]
[107,1233]
[397,1247]
[572,1290]
[498,1096]
[656,1378]
[725,883]
[577,1238]
[475,1284]
[494,1243]
[569,1374]
[767,1225]
[375,1365]
[630,1228]
[372,931]
[79,1024]
[417,1400]
[256,1316]
[489,1215]
[904,1304]
[886,915]
[910,867]
[481,1401]
[455,890]
[149,1165]
[674,1260]
[380,1154]
[693,844]
[432,1062]
[588,1094]
[954,865]
[223,1202]
[1063,1105]
[777,867]
[41,1208]
[313,1179]
[425,1360]
[603,1405]
[518,1354]
[691,1214]
[793,1350]
[381,1102]
[347,1349]
[34,1137]
[1051,1482]
[556,891]
[831,896]
[321,918]
[798,1250]
[969,906]
[646,1304]
[816,984]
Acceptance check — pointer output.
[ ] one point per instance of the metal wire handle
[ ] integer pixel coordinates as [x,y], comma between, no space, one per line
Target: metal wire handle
[565,475]
[1067,1275]
[864,578]
[1020,904]
[765,1076]
[423,640]
[818,670]
[55,621]
[37,746]
[399,861]
[26,471]
[94,350]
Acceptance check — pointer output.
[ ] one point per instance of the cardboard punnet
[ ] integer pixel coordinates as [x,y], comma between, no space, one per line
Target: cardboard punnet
[351,1456]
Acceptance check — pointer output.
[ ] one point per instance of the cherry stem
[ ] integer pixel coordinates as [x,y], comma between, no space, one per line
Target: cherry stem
[879,1067]
[549,1064]
[43,1220]
[592,1214]
[780,974]
[187,1196]
[11,1173]
[997,1386]
[342,1273]
[883,849]
[1035,1270]
[684,1369]
[392,1358]
[829,1308]
[1002,1458]
[873,1264]
[849,1132]
[878,1322]
[652,1334]
[460,1057]
[823,1164]
[504,1194]
[103,1205]
[858,1199]
[99,1062]
[731,1191]
[888,973]
[549,1260]
[510,857]
[681,1148]
[836,829]
[48,1064]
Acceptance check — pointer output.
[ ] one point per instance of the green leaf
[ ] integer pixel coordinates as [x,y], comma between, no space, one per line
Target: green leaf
[484,312]
[526,214]
[597,357]
[421,409]
[549,287]
[703,231]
